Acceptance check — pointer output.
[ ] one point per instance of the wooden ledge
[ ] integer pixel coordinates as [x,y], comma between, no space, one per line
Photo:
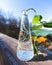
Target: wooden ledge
[3,58]
[12,43]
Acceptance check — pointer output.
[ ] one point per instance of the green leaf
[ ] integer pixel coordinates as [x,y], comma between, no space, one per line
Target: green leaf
[36,19]
[48,24]
[36,27]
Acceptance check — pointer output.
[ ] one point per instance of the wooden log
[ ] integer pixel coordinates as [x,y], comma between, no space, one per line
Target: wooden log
[41,59]
[3,58]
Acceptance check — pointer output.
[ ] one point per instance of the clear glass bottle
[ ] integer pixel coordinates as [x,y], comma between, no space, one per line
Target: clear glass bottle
[25,50]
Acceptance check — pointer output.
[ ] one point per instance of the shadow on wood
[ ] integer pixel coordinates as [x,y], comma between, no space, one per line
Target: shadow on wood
[3,58]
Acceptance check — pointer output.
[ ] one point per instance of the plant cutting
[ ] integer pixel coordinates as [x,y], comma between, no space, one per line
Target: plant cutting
[26,49]
[39,37]
[36,26]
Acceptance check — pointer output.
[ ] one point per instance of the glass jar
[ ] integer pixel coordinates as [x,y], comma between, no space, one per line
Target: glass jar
[25,47]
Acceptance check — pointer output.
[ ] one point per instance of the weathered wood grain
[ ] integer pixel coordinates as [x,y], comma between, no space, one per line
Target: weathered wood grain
[3,58]
[41,59]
